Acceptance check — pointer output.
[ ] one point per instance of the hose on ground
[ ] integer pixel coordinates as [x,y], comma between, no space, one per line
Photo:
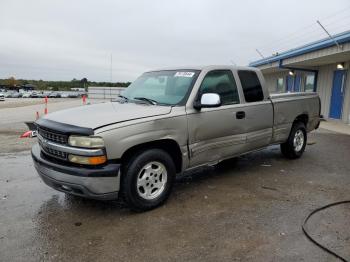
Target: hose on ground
[312,239]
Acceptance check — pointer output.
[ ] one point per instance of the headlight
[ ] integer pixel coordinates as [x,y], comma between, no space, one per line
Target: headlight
[86,141]
[87,160]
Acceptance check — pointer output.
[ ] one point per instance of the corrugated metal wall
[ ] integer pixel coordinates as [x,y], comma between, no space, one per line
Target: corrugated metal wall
[324,88]
[346,108]
[271,80]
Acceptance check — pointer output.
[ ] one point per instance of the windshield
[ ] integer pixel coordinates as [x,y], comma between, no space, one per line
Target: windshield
[169,87]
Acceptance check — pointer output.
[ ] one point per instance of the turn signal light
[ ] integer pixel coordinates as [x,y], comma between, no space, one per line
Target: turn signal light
[93,160]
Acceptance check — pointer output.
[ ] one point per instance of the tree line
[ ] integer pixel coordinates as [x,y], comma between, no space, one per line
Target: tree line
[58,85]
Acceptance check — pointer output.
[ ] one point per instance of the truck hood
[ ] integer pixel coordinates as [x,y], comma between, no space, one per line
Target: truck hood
[103,114]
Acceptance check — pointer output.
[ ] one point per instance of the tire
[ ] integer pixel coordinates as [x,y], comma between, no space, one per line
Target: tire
[147,179]
[295,145]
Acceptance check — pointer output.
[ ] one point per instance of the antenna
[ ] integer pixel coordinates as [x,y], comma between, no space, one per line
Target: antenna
[330,36]
[260,53]
[111,68]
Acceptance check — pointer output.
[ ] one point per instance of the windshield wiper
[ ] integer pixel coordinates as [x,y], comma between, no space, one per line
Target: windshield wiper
[150,101]
[121,96]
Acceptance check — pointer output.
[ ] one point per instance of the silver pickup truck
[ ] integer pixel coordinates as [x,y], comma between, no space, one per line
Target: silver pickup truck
[167,122]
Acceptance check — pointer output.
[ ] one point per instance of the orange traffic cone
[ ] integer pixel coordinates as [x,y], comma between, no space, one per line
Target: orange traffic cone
[45,111]
[27,134]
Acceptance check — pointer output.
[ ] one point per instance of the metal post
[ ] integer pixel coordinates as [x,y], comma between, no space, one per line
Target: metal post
[330,36]
[259,53]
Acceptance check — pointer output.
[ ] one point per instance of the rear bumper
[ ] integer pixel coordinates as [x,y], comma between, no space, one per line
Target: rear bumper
[98,183]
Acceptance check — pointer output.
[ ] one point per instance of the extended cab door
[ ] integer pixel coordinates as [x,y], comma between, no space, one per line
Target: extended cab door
[258,110]
[233,128]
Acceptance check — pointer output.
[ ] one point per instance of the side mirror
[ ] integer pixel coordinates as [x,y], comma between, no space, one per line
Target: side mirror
[208,100]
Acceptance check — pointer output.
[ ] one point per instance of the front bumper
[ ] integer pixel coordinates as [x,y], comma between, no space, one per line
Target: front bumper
[97,182]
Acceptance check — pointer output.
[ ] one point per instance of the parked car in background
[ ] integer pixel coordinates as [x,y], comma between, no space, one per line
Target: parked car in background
[34,94]
[73,95]
[8,94]
[46,93]
[41,94]
[16,95]
[2,97]
[26,95]
[188,117]
[65,95]
[54,95]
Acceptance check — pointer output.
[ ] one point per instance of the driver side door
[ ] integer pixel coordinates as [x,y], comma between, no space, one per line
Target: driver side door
[217,133]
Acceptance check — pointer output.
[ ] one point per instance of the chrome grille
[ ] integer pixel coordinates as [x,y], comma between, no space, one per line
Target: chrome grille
[52,136]
[53,152]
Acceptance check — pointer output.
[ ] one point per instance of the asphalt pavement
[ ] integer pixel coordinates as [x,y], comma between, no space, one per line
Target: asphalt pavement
[245,209]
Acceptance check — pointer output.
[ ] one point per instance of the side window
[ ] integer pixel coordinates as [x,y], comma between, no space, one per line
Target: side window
[309,83]
[222,83]
[280,85]
[251,86]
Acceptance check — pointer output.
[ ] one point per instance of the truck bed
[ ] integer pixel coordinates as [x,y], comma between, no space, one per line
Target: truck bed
[287,106]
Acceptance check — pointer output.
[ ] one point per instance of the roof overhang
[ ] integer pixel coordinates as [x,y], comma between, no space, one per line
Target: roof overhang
[309,56]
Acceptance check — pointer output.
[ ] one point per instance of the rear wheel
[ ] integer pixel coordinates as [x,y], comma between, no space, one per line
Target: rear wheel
[295,145]
[148,179]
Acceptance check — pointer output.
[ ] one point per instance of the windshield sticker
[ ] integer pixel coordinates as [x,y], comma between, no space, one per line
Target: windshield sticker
[184,74]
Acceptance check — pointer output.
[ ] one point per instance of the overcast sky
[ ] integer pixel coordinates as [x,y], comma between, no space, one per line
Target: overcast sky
[62,40]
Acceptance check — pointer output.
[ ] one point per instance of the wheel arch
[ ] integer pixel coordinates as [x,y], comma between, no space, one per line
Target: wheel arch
[168,145]
[303,118]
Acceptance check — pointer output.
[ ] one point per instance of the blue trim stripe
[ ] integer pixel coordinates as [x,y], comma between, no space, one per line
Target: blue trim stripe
[327,42]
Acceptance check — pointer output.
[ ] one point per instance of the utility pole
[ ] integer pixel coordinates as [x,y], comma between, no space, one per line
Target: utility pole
[111,68]
[110,88]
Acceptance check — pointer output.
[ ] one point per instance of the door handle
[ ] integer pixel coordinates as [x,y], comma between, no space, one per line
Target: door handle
[240,115]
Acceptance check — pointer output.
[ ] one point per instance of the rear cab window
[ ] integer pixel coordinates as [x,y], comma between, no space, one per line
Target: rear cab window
[251,86]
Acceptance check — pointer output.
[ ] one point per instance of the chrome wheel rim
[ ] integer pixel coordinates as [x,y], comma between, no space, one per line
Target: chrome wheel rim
[151,180]
[298,141]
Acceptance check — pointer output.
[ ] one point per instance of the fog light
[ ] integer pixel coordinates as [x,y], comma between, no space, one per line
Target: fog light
[93,160]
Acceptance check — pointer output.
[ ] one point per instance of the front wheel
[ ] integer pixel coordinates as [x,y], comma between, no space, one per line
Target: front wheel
[148,179]
[295,145]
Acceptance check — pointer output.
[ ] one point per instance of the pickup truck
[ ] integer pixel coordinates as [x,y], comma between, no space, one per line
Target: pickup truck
[164,123]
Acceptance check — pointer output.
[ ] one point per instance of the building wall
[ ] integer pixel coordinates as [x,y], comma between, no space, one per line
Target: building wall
[346,108]
[271,80]
[324,87]
[324,52]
